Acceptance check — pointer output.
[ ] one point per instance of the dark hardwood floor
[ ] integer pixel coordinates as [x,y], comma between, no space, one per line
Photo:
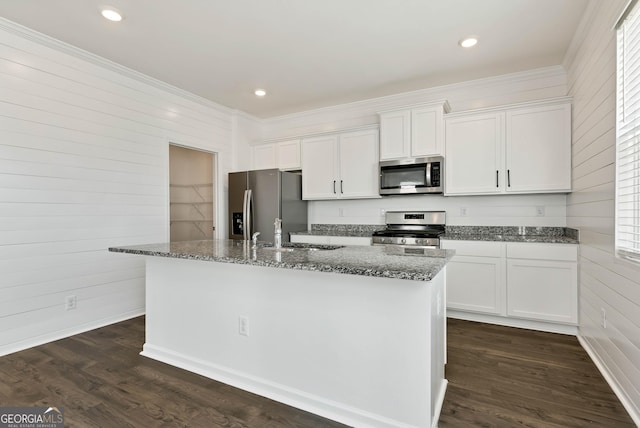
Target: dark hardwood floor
[507,377]
[498,377]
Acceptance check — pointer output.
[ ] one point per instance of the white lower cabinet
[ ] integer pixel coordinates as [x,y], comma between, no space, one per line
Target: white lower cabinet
[514,281]
[542,282]
[476,277]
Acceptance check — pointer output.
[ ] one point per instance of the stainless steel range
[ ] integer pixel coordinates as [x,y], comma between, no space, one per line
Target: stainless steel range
[414,231]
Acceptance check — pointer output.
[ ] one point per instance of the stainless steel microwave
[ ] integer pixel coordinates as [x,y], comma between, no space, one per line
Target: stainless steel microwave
[412,176]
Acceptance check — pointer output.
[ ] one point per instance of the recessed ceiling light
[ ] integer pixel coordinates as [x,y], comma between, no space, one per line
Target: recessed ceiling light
[468,42]
[260,92]
[111,14]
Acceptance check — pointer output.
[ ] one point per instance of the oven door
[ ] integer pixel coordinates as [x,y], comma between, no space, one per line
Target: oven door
[411,176]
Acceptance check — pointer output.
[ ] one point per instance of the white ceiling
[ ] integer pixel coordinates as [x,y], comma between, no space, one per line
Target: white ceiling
[310,53]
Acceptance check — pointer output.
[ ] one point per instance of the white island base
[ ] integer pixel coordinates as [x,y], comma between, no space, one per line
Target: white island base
[364,351]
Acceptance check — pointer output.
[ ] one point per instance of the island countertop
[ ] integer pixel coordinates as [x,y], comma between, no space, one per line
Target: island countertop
[374,261]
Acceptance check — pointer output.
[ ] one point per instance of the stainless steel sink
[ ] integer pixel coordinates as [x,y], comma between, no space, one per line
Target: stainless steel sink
[281,249]
[289,247]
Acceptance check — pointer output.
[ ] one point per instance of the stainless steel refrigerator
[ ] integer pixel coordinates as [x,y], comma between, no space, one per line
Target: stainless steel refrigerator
[257,198]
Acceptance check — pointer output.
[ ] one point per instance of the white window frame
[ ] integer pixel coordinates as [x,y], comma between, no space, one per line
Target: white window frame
[627,180]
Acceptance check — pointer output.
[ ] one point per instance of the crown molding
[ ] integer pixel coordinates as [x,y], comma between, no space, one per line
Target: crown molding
[390,102]
[66,48]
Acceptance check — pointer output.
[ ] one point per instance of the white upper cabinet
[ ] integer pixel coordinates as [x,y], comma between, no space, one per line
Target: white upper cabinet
[538,149]
[412,132]
[473,157]
[341,166]
[263,156]
[320,167]
[522,149]
[282,155]
[358,154]
[395,134]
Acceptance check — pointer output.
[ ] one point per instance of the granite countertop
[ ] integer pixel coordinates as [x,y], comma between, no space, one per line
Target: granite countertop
[348,230]
[372,261]
[546,235]
[539,234]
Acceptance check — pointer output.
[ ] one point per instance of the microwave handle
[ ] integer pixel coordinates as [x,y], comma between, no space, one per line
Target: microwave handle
[428,177]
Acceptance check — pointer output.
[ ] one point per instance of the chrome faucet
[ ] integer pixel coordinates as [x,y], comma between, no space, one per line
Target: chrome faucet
[254,239]
[277,238]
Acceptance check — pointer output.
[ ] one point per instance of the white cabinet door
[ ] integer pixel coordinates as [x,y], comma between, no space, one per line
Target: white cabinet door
[358,159]
[473,160]
[542,290]
[288,154]
[264,156]
[395,134]
[476,280]
[426,131]
[538,149]
[319,166]
[476,284]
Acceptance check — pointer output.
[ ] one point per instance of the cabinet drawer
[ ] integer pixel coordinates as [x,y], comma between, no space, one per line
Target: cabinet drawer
[538,251]
[474,248]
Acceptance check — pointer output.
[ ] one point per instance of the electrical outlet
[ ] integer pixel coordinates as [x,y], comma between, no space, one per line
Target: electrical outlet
[70,302]
[243,326]
[603,318]
[540,211]
[463,211]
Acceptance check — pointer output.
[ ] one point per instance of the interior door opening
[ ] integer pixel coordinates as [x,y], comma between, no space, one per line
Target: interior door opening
[191,194]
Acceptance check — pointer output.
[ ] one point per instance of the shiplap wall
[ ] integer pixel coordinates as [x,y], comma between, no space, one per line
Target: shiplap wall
[507,210]
[605,282]
[84,166]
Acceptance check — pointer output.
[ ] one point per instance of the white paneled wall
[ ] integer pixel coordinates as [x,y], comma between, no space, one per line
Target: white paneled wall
[504,210]
[605,283]
[83,166]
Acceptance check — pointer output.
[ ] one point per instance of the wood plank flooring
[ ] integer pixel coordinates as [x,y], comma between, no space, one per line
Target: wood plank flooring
[498,377]
[508,377]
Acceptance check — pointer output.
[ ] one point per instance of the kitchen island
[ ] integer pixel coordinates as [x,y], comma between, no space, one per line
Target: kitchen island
[354,334]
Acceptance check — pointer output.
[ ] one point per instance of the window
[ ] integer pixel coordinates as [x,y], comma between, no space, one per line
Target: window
[628,135]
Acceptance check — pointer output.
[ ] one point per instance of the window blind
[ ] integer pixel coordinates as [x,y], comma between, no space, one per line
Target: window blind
[628,136]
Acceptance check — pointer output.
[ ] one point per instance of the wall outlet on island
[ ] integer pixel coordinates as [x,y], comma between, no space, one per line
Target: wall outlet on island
[463,211]
[70,302]
[540,211]
[243,326]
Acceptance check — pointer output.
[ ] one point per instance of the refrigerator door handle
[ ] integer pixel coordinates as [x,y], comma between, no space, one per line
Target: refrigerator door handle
[244,215]
[247,226]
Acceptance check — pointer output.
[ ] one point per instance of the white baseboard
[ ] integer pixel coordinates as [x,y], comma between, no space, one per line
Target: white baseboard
[321,406]
[439,402]
[61,334]
[514,322]
[617,390]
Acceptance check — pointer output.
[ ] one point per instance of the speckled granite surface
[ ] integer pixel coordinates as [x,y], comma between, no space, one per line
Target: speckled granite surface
[549,235]
[353,260]
[357,230]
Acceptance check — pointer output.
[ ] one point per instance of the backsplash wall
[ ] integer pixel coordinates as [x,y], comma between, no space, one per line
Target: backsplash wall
[499,210]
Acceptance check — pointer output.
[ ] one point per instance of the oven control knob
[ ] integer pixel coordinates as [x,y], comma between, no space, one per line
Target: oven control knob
[419,241]
[403,241]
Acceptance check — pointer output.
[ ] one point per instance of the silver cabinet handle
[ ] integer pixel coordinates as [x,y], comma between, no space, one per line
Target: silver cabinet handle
[334,187]
[341,191]
[508,178]
[497,180]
